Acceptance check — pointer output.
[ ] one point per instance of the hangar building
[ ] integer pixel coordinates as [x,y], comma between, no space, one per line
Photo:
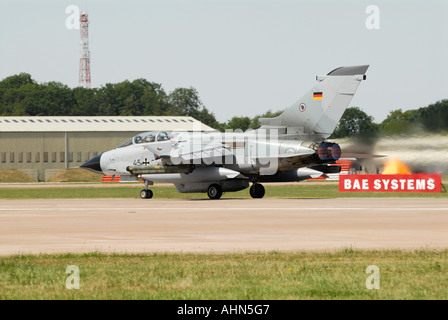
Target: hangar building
[42,146]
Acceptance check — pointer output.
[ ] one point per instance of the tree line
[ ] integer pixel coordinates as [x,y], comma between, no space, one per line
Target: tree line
[20,95]
[432,118]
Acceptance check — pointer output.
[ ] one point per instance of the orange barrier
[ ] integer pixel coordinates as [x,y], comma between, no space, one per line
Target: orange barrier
[111,179]
[343,163]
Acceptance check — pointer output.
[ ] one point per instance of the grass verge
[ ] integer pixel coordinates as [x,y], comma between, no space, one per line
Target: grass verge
[76,175]
[15,176]
[273,275]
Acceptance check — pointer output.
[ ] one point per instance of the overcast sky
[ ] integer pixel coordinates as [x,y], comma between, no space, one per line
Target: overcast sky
[243,56]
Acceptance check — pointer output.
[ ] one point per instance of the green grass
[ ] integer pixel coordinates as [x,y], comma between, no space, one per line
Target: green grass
[321,190]
[273,275]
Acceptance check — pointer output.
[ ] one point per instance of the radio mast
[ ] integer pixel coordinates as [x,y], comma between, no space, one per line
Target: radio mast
[84,61]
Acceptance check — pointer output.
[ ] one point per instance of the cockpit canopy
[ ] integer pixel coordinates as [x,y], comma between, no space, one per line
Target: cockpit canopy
[150,136]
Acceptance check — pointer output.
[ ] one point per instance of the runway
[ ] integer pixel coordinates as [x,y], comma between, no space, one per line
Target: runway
[227,225]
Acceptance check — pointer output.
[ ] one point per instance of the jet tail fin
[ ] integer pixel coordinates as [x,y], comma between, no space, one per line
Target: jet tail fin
[318,112]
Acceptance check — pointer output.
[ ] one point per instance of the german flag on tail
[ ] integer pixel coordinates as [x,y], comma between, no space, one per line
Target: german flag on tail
[317,96]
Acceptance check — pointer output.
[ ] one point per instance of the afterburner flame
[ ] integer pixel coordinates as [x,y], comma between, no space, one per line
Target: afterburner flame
[395,166]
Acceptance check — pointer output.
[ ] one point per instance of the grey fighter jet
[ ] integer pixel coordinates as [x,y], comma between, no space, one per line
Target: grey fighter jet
[290,147]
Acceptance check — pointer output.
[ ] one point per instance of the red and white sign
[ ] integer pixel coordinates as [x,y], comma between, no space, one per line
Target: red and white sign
[390,183]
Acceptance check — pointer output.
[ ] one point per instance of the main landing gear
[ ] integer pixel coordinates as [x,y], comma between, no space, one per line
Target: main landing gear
[146,193]
[214,191]
[257,191]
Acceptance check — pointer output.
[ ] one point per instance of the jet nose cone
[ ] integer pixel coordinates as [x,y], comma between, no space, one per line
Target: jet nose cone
[93,164]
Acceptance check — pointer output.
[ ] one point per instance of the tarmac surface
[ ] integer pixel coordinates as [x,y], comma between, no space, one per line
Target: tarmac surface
[226,225]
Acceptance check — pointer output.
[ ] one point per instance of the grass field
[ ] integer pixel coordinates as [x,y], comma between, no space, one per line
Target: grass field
[319,190]
[273,275]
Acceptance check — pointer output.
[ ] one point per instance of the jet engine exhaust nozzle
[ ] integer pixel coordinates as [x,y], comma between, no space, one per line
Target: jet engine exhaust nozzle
[328,151]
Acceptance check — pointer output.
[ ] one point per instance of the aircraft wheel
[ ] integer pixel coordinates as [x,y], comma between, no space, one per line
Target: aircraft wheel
[214,191]
[146,194]
[257,191]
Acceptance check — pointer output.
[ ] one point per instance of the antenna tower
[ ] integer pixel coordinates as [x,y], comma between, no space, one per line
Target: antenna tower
[84,61]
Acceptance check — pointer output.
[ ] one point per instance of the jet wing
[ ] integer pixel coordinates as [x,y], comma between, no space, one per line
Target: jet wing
[197,154]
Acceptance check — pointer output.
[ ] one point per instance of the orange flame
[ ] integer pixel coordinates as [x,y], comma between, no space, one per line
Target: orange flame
[395,166]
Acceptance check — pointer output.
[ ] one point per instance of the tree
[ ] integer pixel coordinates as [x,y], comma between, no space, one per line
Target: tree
[435,116]
[354,121]
[106,98]
[208,118]
[235,123]
[16,81]
[154,99]
[399,115]
[57,100]
[398,122]
[86,102]
[13,91]
[20,95]
[186,101]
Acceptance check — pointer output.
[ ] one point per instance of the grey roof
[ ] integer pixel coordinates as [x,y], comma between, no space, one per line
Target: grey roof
[92,124]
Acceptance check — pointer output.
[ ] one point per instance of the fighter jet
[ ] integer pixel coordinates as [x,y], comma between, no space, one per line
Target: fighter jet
[290,147]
